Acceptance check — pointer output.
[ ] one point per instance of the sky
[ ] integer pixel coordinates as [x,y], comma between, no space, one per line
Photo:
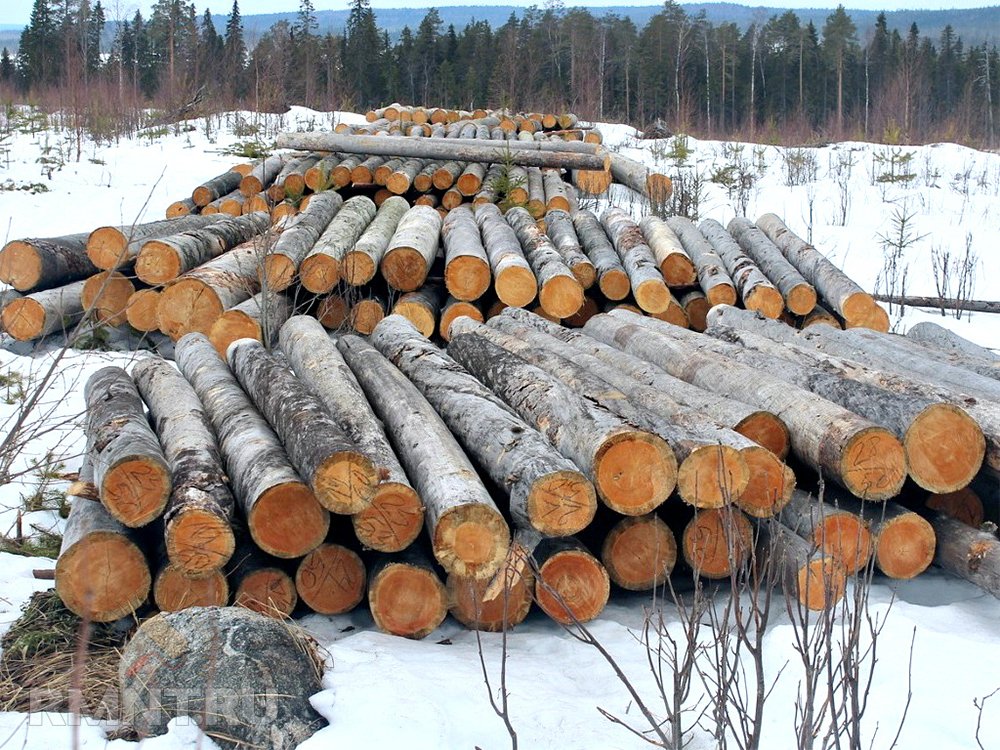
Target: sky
[16,12]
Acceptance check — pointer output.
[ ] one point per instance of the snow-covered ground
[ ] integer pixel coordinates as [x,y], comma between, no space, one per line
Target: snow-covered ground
[384,691]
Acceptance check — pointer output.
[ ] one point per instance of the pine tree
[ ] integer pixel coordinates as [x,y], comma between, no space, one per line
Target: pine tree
[94,32]
[363,54]
[234,52]
[839,36]
[6,67]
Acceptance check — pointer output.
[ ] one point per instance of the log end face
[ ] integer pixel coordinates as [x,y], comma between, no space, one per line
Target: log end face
[407,600]
[135,490]
[821,583]
[468,605]
[561,296]
[801,299]
[358,268]
[345,482]
[873,464]
[765,300]
[108,294]
[945,448]
[614,285]
[331,579]
[573,585]
[141,310]
[186,307]
[712,476]
[268,591]
[287,521]
[770,486]
[278,272]
[674,314]
[847,538]
[639,553]
[230,326]
[652,296]
[106,247]
[593,181]
[768,430]
[404,268]
[420,316]
[678,270]
[467,277]
[393,521]
[635,472]
[454,311]
[905,546]
[319,273]
[722,294]
[471,540]
[157,263]
[717,541]
[365,315]
[199,542]
[24,319]
[103,577]
[964,505]
[20,265]
[562,503]
[858,309]
[174,591]
[516,286]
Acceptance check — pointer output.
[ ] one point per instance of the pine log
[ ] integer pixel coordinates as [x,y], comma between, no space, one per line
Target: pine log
[33,265]
[141,310]
[571,585]
[41,313]
[111,247]
[257,318]
[421,308]
[639,552]
[673,260]
[173,591]
[799,294]
[105,296]
[198,519]
[405,595]
[261,583]
[412,249]
[964,505]
[846,298]
[130,470]
[468,534]
[263,174]
[166,258]
[468,602]
[633,471]
[717,542]
[655,186]
[215,188]
[836,531]
[763,427]
[968,553]
[331,579]
[283,260]
[283,515]
[196,300]
[319,271]
[865,458]
[756,291]
[101,573]
[712,275]
[559,228]
[467,267]
[396,514]
[513,280]
[563,155]
[644,275]
[362,261]
[816,580]
[454,309]
[611,277]
[546,491]
[560,293]
[182,207]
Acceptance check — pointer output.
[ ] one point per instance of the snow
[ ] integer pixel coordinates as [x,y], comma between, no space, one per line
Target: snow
[385,691]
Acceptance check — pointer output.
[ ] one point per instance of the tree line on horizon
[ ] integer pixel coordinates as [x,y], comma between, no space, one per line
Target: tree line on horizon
[778,79]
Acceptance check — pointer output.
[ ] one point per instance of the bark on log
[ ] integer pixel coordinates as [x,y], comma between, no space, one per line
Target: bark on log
[412,249]
[468,602]
[405,595]
[571,585]
[141,310]
[639,552]
[319,177]
[284,517]
[535,185]
[942,303]
[33,265]
[101,573]
[756,291]
[560,293]
[712,275]
[362,261]
[319,271]
[563,155]
[632,470]
[111,247]
[556,191]
[130,470]
[196,300]
[467,267]
[424,180]
[331,579]
[471,179]
[865,458]
[546,491]
[447,173]
[468,534]
[198,520]
[164,259]
[218,186]
[41,313]
[257,318]
[291,180]
[514,282]
[960,349]
[655,186]
[820,316]
[422,308]
[717,542]
[396,514]
[696,306]
[967,552]
[263,174]
[799,294]
[836,531]
[283,260]
[644,275]
[173,591]
[611,277]
[559,228]
[673,260]
[817,580]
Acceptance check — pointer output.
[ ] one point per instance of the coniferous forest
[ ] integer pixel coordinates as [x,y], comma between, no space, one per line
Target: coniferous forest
[778,80]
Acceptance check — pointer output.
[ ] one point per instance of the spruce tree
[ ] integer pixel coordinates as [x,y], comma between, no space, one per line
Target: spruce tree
[234,52]
[6,66]
[363,57]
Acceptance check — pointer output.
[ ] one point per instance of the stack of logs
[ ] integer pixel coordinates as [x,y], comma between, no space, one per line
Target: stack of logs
[544,464]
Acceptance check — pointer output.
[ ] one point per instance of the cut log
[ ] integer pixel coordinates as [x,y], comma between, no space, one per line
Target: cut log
[717,542]
[295,243]
[564,155]
[578,319]
[471,179]
[560,293]
[106,296]
[468,534]
[342,478]
[333,310]
[952,348]
[282,513]
[632,470]
[815,579]
[331,579]
[41,313]
[820,316]
[968,553]
[319,272]
[535,186]
[799,294]
[559,228]
[836,531]
[196,300]
[696,306]
[182,207]
[513,280]
[756,291]
[865,458]
[198,530]
[365,314]
[261,583]
[130,470]
[111,247]
[546,491]
[32,265]
[712,275]
[362,261]
[424,180]
[611,277]
[141,310]
[644,275]
[405,595]
[396,514]
[467,267]
[319,177]
[447,173]
[101,573]
[291,180]
[639,552]
[257,318]
[556,197]
[655,186]
[468,602]
[422,308]
[263,174]
[673,260]
[412,249]
[964,505]
[215,188]
[571,585]
[173,591]
[454,309]
[164,259]
[844,296]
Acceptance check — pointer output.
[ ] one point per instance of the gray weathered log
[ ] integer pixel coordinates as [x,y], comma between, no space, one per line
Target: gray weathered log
[40,313]
[938,337]
[362,261]
[319,271]
[216,187]
[412,249]
[674,261]
[559,228]
[559,291]
[754,288]
[467,267]
[32,265]
[712,274]
[611,277]
[258,318]
[967,552]
[648,287]
[514,281]
[263,174]
[655,186]
[799,294]
[283,260]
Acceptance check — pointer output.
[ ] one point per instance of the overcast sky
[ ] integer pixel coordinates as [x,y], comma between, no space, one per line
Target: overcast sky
[18,11]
